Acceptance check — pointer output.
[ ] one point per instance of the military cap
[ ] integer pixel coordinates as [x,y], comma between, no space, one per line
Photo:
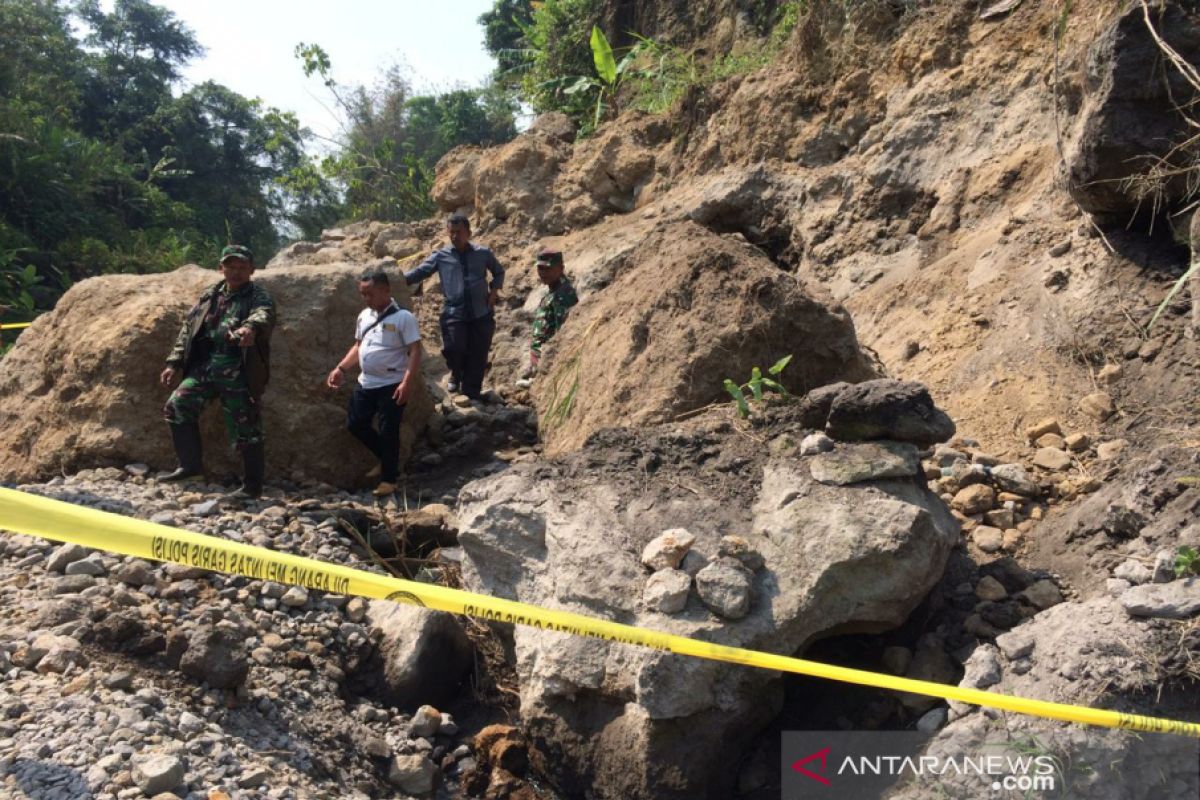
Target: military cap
[238,251]
[550,258]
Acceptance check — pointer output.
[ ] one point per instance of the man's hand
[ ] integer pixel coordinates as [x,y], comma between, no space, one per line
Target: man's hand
[493,296]
[335,378]
[244,336]
[401,393]
[169,377]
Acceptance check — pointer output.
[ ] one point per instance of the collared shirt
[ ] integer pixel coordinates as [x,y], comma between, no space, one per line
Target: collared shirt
[464,279]
[383,350]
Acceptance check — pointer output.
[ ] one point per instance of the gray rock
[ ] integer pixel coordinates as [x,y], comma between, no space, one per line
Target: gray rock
[412,774]
[693,562]
[206,509]
[86,566]
[740,548]
[425,654]
[1051,458]
[1134,572]
[138,470]
[867,461]
[1098,405]
[725,587]
[1176,600]
[989,588]
[666,550]
[815,443]
[252,777]
[1015,644]
[1042,594]
[982,668]
[135,573]
[217,656]
[1013,478]
[158,772]
[64,555]
[987,538]
[425,723]
[887,409]
[667,590]
[295,597]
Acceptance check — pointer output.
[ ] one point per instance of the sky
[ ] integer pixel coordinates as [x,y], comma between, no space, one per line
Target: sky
[250,44]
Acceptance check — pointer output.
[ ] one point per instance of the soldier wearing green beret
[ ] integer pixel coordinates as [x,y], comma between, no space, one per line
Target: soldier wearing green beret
[222,351]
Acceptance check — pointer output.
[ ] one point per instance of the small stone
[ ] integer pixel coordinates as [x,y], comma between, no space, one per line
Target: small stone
[1110,374]
[138,470]
[1015,645]
[982,668]
[1099,406]
[86,566]
[1051,440]
[1116,586]
[156,773]
[1164,566]
[1012,540]
[667,549]
[1109,451]
[737,547]
[253,777]
[412,774]
[425,723]
[1150,350]
[911,349]
[858,462]
[1043,594]
[1002,518]
[1060,249]
[1013,478]
[667,590]
[1039,429]
[1078,442]
[295,597]
[1051,458]
[693,562]
[989,588]
[206,509]
[447,727]
[974,499]
[987,538]
[724,587]
[135,573]
[64,555]
[356,609]
[1133,571]
[815,443]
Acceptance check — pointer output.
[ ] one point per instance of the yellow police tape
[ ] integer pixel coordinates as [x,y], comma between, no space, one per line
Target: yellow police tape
[12,326]
[52,519]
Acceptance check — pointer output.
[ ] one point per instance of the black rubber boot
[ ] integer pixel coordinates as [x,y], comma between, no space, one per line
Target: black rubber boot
[254,459]
[186,439]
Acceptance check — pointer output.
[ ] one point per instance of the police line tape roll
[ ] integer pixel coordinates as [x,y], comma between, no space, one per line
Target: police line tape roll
[9,326]
[53,519]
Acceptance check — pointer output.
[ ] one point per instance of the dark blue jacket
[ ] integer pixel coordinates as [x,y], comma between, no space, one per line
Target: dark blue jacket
[464,279]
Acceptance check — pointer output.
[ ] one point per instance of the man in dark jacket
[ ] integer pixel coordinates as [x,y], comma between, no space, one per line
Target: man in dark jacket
[222,351]
[466,321]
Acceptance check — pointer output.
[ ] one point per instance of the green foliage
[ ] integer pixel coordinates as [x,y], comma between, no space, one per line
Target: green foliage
[1187,562]
[559,55]
[1180,282]
[103,168]
[757,386]
[504,29]
[391,140]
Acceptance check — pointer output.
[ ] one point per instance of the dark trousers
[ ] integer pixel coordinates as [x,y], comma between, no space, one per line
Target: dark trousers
[465,344]
[365,405]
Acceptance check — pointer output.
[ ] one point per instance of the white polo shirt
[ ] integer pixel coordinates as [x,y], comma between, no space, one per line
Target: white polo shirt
[383,352]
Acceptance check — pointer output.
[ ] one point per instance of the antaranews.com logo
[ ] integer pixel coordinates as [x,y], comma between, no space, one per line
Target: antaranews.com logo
[873,764]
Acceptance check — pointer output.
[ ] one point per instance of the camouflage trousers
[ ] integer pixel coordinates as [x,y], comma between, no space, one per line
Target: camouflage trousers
[220,377]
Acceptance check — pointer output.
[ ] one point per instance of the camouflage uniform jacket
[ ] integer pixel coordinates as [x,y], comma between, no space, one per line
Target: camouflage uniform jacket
[552,313]
[218,312]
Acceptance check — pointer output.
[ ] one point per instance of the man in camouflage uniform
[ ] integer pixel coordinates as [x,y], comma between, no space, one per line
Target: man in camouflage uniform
[552,311]
[222,351]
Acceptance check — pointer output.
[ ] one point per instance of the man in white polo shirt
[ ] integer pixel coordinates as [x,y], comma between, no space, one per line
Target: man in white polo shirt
[387,349]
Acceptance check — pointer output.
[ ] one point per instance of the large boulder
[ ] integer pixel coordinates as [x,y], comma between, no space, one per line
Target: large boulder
[422,656]
[1129,115]
[616,721]
[80,388]
[689,309]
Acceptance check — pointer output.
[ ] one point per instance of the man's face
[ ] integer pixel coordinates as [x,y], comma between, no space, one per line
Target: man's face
[548,274]
[459,236]
[236,272]
[375,295]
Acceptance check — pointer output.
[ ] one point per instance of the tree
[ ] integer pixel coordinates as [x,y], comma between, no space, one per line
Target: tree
[504,35]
